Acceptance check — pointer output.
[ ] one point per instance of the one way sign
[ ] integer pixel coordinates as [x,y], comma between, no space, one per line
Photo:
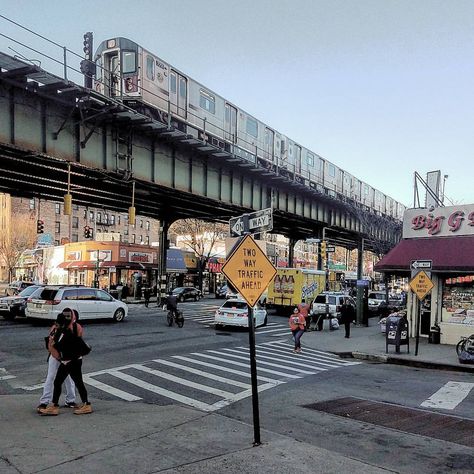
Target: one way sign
[418,265]
[255,222]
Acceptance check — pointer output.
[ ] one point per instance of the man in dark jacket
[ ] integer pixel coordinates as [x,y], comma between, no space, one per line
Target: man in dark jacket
[172,303]
[347,316]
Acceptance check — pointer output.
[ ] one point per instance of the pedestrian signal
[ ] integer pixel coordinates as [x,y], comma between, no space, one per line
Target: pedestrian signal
[39,226]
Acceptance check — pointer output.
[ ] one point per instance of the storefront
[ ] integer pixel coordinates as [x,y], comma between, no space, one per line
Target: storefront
[108,264]
[445,237]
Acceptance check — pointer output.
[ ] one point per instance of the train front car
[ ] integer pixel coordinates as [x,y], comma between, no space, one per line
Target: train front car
[117,69]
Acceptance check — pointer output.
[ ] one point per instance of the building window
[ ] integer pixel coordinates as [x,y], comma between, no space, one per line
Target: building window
[75,207]
[56,243]
[147,240]
[57,208]
[99,217]
[125,231]
[141,239]
[91,216]
[75,223]
[147,225]
[207,101]
[32,204]
[106,218]
[119,220]
[141,223]
[75,238]
[252,127]
[132,238]
[57,227]
[112,219]
[85,213]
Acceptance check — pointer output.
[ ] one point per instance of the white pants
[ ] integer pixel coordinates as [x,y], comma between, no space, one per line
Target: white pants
[47,396]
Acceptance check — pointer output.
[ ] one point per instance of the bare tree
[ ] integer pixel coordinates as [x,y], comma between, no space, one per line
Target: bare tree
[20,236]
[200,237]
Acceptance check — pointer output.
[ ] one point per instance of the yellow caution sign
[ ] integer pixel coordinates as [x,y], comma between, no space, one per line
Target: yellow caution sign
[421,285]
[249,270]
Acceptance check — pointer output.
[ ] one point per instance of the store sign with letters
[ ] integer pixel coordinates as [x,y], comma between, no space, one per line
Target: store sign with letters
[140,257]
[440,222]
[73,256]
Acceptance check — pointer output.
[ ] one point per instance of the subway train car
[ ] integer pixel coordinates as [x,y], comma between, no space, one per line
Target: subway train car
[128,72]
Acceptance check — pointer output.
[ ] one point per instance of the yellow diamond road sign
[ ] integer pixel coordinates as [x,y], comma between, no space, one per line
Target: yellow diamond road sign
[249,270]
[421,285]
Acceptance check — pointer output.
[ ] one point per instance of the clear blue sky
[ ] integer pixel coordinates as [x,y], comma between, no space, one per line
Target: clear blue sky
[381,88]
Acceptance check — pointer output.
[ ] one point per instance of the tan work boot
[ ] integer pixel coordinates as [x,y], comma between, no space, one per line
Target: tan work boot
[51,410]
[84,409]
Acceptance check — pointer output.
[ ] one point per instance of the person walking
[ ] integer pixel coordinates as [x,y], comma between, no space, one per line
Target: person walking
[53,365]
[347,316]
[64,347]
[297,324]
[146,295]
[304,309]
[172,303]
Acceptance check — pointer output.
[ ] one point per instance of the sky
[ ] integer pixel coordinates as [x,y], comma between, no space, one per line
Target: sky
[380,88]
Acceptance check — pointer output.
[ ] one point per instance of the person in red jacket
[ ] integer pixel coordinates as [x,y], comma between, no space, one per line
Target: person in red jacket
[297,324]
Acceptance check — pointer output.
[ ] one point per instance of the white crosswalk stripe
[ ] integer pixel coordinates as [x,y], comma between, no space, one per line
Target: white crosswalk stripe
[449,396]
[212,379]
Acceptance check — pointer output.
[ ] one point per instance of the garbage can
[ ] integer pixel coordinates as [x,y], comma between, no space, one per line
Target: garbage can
[435,335]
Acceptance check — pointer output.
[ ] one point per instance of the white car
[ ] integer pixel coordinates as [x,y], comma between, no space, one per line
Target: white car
[90,303]
[234,312]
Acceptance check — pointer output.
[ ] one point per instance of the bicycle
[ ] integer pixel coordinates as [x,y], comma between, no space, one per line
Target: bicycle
[175,316]
[466,344]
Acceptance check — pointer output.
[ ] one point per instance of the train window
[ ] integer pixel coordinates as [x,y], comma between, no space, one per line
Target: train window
[332,170]
[366,189]
[252,127]
[150,68]
[128,62]
[182,88]
[207,101]
[310,159]
[173,87]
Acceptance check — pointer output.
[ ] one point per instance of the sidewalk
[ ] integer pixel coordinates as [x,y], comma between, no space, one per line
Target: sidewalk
[123,437]
[369,343]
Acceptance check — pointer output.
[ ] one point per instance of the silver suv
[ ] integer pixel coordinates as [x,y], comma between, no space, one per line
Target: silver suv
[334,300]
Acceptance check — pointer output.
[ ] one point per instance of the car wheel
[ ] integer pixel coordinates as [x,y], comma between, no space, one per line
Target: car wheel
[119,315]
[196,298]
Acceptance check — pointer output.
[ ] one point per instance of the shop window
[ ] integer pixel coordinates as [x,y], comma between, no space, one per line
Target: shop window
[458,300]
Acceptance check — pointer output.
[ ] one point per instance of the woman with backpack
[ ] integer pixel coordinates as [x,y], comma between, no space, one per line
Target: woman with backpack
[66,346]
[297,324]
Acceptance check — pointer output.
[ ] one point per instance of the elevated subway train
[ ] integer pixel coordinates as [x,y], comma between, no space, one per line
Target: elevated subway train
[128,72]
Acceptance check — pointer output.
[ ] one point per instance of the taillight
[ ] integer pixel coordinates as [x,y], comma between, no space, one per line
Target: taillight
[29,300]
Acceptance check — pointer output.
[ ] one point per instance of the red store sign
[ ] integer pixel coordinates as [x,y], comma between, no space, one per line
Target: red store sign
[441,222]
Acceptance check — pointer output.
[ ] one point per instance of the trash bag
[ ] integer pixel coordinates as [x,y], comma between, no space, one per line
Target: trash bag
[333,324]
[466,357]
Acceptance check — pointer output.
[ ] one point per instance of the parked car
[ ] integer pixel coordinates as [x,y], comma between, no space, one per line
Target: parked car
[90,303]
[184,293]
[234,312]
[222,291]
[333,300]
[12,306]
[15,287]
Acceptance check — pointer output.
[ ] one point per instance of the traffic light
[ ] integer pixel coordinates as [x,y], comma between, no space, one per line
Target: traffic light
[39,226]
[67,204]
[131,215]
[88,45]
[87,232]
[323,248]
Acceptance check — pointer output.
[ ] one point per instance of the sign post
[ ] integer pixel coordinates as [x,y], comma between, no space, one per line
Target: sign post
[421,285]
[254,223]
[249,271]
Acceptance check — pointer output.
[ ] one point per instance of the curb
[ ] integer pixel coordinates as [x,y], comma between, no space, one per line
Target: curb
[387,359]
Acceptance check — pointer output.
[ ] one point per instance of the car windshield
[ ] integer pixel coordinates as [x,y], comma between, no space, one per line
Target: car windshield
[235,305]
[28,291]
[178,290]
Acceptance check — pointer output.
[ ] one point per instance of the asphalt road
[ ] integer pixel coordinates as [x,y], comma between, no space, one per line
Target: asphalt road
[142,360]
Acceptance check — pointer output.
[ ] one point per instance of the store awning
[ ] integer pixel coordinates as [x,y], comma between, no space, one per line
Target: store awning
[175,261]
[90,264]
[448,254]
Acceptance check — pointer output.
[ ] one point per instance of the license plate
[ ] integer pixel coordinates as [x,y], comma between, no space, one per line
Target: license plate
[38,305]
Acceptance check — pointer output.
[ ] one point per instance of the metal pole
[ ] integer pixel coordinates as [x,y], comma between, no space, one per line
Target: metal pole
[417,324]
[65,62]
[253,372]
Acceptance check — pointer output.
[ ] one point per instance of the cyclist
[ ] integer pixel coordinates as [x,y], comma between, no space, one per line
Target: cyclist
[172,303]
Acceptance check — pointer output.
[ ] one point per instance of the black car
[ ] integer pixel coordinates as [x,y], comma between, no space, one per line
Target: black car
[15,287]
[184,293]
[12,306]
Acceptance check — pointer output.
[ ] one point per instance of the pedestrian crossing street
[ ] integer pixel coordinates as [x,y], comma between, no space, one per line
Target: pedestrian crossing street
[205,315]
[211,379]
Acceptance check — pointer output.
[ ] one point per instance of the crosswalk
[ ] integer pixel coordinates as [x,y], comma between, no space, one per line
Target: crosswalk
[214,378]
[204,314]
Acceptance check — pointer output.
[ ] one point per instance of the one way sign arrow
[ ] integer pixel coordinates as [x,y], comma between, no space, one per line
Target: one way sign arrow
[422,264]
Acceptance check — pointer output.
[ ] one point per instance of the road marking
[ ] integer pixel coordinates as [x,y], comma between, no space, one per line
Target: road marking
[449,396]
[109,389]
[4,375]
